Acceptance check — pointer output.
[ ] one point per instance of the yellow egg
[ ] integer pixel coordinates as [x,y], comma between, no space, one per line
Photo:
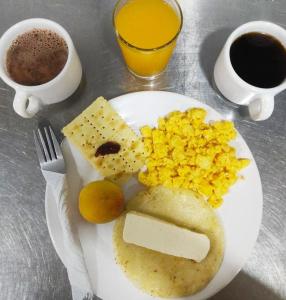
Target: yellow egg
[184,151]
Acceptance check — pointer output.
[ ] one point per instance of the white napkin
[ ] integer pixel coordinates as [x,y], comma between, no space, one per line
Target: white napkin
[70,221]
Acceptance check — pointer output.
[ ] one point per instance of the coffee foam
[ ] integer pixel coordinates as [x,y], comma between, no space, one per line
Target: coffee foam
[40,40]
[36,57]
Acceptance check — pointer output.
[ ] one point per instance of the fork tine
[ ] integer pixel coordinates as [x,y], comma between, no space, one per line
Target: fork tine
[44,146]
[50,144]
[39,149]
[56,144]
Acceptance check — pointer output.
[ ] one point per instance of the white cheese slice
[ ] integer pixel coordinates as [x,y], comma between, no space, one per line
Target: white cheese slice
[155,234]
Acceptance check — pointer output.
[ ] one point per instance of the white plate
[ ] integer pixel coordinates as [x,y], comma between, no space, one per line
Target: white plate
[240,214]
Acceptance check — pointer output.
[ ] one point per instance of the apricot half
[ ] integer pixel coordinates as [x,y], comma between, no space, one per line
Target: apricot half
[101,201]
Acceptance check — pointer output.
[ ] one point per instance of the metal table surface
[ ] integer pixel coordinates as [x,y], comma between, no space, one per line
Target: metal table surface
[29,266]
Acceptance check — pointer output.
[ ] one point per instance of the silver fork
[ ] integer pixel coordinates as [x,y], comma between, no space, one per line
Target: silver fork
[49,151]
[53,168]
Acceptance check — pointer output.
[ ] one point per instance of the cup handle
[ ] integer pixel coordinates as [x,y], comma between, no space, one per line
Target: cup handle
[26,106]
[261,108]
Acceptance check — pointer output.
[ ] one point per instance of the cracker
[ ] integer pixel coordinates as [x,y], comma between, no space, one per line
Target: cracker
[119,179]
[98,124]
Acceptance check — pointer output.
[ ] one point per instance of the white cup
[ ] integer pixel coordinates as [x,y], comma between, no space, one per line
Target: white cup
[260,101]
[29,99]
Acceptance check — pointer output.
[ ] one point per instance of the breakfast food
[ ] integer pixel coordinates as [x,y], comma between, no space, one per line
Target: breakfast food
[120,178]
[185,152]
[165,275]
[156,234]
[101,201]
[105,140]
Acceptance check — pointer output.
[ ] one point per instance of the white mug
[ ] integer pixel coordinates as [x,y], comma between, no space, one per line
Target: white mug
[260,101]
[29,99]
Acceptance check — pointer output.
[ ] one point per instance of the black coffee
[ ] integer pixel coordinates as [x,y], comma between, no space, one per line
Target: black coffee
[259,59]
[36,57]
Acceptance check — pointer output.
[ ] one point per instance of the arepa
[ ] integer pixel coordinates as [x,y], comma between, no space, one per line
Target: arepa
[162,275]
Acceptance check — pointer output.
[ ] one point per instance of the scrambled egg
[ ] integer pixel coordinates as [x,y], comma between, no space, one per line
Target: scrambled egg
[186,152]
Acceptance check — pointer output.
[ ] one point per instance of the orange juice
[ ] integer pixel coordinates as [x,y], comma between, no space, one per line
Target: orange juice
[146,32]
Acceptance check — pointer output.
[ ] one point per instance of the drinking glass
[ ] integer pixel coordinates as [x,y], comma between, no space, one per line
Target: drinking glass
[145,62]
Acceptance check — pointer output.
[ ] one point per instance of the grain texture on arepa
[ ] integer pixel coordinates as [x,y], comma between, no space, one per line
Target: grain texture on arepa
[164,275]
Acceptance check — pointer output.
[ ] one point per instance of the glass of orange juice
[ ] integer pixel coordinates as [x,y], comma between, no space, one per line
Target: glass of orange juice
[147,31]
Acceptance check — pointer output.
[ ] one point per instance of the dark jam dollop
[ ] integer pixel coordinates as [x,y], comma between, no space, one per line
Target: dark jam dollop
[107,148]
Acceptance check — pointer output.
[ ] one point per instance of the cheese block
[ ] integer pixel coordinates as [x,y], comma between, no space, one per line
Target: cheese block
[158,235]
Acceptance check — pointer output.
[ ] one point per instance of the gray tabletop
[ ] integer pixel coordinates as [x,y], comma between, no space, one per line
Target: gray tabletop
[29,266]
